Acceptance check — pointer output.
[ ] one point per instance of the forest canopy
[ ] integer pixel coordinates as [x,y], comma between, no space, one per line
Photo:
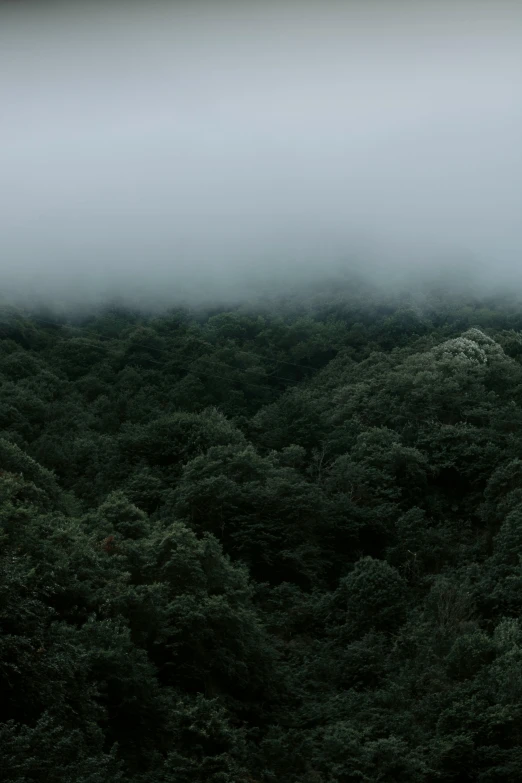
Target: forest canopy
[268,541]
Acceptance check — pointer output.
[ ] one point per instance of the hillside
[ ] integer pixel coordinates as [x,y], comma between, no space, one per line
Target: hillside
[272,542]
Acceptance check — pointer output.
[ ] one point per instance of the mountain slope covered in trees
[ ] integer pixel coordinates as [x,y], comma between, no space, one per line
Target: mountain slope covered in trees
[268,542]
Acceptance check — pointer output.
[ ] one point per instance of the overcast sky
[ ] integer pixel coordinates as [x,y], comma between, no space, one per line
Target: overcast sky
[161,143]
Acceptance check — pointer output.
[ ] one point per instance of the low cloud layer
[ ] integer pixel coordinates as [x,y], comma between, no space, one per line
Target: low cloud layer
[162,147]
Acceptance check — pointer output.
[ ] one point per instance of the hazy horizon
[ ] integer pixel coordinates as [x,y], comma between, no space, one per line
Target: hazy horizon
[208,149]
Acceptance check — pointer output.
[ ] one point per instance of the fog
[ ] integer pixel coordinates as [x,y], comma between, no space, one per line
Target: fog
[210,149]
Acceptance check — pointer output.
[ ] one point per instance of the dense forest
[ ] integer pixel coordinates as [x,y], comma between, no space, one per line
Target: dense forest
[275,541]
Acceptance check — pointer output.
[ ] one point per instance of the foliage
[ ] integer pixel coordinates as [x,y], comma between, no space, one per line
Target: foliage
[275,542]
